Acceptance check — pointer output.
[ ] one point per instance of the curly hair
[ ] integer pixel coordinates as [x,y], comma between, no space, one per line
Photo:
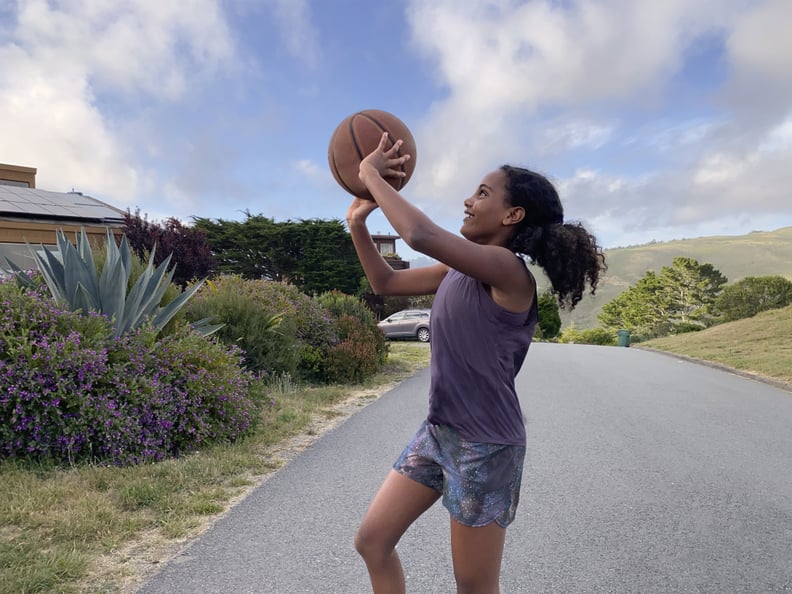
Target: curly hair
[568,253]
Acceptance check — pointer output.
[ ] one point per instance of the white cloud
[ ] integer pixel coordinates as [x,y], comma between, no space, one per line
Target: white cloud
[549,82]
[310,169]
[63,58]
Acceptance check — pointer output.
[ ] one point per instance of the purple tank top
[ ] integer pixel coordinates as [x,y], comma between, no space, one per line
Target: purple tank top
[477,349]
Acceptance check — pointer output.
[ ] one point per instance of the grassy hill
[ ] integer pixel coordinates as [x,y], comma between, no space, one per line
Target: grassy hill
[761,345]
[760,253]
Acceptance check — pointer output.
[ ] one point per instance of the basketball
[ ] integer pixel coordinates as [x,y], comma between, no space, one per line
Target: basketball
[356,137]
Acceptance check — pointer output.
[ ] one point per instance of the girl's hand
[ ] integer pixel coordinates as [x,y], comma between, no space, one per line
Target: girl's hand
[359,211]
[382,162]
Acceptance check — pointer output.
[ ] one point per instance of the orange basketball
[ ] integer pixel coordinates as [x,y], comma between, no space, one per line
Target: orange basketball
[356,137]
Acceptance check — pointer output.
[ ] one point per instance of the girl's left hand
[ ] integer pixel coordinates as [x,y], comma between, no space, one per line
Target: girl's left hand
[382,162]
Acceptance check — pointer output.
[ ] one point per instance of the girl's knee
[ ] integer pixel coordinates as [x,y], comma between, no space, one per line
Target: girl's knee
[370,546]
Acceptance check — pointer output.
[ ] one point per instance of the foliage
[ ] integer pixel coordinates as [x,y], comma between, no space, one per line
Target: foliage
[680,297]
[188,245]
[599,336]
[421,302]
[393,303]
[71,392]
[643,308]
[692,289]
[753,294]
[355,357]
[75,281]
[315,255]
[339,304]
[268,339]
[297,346]
[549,316]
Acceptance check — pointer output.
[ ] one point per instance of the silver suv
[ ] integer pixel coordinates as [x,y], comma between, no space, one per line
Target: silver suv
[408,323]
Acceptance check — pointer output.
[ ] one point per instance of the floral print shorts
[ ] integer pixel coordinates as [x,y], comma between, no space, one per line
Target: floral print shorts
[480,482]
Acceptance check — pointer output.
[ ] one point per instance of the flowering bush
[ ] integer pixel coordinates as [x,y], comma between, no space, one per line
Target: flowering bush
[69,391]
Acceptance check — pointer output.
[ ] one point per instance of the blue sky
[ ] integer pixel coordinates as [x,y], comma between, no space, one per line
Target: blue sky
[656,120]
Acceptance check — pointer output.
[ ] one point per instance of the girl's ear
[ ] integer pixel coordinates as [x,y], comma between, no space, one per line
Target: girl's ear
[514,215]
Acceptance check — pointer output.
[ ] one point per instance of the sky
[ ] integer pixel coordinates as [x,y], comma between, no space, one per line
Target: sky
[655,120]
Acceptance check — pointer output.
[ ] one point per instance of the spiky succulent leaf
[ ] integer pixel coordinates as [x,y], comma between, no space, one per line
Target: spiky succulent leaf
[78,272]
[53,271]
[22,278]
[112,290]
[123,250]
[165,314]
[204,327]
[82,300]
[156,282]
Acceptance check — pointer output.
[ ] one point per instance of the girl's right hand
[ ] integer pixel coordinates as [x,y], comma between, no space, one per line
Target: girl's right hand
[359,210]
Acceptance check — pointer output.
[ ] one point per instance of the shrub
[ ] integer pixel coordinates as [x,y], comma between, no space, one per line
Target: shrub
[339,304]
[753,294]
[355,357]
[598,336]
[268,341]
[305,331]
[549,316]
[685,327]
[70,391]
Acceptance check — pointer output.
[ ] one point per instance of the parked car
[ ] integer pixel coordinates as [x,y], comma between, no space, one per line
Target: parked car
[408,323]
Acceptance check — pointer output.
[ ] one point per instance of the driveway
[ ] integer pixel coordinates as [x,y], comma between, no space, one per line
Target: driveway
[644,473]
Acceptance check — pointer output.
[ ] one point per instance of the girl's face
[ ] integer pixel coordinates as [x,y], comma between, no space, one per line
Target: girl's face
[488,214]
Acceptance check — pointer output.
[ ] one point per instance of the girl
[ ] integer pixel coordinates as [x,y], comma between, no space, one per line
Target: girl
[471,447]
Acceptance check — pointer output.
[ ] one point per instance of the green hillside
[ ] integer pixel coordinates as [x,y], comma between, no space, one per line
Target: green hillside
[760,345]
[760,253]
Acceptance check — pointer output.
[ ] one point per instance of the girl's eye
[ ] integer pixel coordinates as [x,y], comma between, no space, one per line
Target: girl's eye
[482,193]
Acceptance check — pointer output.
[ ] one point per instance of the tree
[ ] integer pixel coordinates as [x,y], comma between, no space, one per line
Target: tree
[189,248]
[753,294]
[692,289]
[643,308]
[549,317]
[315,255]
[680,298]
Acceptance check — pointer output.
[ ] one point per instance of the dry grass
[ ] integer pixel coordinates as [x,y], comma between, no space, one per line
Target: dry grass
[761,345]
[101,529]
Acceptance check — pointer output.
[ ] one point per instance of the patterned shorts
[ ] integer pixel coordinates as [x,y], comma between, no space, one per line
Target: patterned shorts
[480,482]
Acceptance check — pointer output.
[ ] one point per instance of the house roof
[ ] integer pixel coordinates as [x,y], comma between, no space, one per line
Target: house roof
[31,203]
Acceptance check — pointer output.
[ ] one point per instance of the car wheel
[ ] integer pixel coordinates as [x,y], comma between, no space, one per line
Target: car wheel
[423,334]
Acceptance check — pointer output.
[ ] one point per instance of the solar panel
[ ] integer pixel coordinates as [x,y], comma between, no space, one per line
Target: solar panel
[16,201]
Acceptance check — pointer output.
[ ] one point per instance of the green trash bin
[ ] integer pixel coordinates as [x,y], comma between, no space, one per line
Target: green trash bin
[623,338]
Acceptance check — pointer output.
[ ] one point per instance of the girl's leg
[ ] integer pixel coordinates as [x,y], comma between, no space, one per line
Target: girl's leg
[397,504]
[477,554]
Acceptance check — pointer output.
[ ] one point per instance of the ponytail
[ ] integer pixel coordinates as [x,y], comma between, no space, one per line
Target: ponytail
[568,253]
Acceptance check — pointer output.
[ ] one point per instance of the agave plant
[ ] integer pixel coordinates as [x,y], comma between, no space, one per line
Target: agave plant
[72,278]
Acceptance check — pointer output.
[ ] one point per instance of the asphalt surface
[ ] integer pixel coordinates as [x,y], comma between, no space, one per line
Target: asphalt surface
[644,473]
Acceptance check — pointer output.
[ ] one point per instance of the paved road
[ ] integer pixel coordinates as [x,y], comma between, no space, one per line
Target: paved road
[644,474]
